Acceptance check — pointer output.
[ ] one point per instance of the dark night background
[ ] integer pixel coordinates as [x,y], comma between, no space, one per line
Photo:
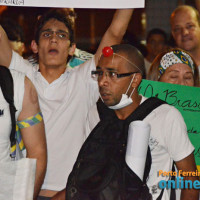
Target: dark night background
[90,24]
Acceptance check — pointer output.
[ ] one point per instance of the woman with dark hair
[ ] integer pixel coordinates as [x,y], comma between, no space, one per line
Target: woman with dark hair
[174,66]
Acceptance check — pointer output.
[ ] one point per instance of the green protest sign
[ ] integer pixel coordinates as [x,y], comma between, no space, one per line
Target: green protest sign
[186,99]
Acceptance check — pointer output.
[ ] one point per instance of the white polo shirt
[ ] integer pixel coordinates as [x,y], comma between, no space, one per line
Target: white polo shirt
[65,104]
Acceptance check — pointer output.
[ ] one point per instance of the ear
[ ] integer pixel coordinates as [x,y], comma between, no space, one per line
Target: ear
[34,46]
[137,80]
[72,49]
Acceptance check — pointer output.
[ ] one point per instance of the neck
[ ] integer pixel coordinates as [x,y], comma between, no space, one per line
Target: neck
[51,73]
[126,111]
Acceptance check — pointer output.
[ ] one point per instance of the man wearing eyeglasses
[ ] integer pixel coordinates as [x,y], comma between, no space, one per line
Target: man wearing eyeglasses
[119,74]
[79,56]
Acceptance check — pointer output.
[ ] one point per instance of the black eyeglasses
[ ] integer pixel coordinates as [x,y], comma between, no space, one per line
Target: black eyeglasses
[112,75]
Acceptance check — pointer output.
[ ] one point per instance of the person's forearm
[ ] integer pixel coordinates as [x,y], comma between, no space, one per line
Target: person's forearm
[120,23]
[116,30]
[189,194]
[41,156]
[39,178]
[188,165]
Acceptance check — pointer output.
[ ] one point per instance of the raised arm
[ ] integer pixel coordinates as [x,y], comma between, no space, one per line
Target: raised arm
[5,49]
[34,136]
[116,30]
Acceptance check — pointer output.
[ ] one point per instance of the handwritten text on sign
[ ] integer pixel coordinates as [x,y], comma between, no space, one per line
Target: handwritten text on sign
[186,99]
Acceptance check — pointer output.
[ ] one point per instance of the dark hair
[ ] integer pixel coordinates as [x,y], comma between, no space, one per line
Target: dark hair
[156,31]
[153,73]
[58,14]
[13,30]
[132,54]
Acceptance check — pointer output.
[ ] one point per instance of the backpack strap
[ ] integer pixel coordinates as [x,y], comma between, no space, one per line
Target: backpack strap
[173,191]
[139,114]
[145,109]
[6,84]
[104,112]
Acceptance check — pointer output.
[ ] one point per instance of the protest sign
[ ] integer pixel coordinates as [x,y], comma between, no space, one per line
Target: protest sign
[186,99]
[76,3]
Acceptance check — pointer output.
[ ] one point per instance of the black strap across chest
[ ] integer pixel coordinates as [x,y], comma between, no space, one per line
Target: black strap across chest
[6,84]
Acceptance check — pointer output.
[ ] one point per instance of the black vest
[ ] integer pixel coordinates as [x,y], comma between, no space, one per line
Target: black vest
[100,172]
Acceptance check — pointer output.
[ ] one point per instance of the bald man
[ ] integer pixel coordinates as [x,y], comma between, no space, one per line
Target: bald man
[185,27]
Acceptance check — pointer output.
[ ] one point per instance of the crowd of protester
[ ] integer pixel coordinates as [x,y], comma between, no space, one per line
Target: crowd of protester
[67,95]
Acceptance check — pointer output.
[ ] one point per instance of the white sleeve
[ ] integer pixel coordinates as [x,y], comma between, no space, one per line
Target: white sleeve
[84,71]
[20,64]
[86,68]
[93,118]
[176,137]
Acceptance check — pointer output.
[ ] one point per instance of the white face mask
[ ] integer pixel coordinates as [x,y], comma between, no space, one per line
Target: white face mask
[125,100]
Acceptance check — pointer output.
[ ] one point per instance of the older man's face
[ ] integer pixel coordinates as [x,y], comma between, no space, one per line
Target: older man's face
[186,30]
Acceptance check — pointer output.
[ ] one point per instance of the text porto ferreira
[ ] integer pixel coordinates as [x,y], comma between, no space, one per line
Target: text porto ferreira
[179,182]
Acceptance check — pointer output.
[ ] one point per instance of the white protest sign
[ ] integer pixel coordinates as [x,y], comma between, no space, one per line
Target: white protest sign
[76,3]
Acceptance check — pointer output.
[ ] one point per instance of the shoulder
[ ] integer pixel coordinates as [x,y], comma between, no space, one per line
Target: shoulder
[165,115]
[168,111]
[85,68]
[30,100]
[168,115]
[16,58]
[16,74]
[20,64]
[164,110]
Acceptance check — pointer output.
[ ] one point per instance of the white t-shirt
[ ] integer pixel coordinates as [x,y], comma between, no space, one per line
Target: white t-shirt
[168,141]
[65,104]
[5,119]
